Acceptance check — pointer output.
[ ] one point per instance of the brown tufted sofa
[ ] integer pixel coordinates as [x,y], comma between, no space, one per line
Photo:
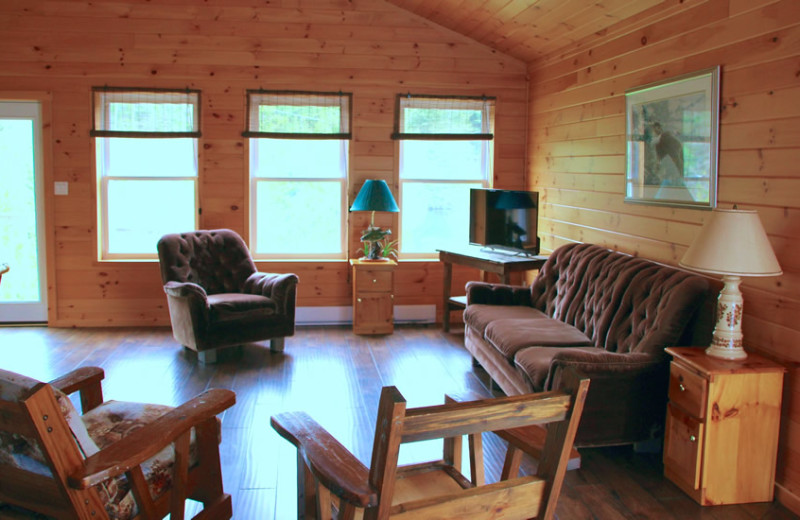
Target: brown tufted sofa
[217,298]
[606,313]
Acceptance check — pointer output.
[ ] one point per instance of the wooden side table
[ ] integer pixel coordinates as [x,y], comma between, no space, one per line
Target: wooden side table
[474,256]
[723,417]
[373,296]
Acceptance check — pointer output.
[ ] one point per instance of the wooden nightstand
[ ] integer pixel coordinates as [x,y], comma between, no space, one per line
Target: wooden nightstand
[373,296]
[721,439]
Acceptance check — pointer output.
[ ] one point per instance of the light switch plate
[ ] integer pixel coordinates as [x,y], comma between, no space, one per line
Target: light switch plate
[61,188]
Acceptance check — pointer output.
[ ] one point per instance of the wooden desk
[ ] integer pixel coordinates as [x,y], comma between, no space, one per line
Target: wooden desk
[475,256]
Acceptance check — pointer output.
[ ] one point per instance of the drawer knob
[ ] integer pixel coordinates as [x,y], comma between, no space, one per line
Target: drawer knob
[692,438]
[683,388]
[359,300]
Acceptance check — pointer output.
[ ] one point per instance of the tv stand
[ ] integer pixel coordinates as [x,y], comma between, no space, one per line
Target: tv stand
[501,264]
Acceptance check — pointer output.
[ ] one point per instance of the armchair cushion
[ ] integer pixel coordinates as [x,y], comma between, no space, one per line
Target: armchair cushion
[109,423]
[228,307]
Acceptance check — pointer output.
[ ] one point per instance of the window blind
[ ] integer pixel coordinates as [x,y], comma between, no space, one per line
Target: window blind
[444,118]
[298,114]
[133,112]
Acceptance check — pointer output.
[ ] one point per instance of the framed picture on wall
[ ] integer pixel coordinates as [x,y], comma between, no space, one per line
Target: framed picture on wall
[672,141]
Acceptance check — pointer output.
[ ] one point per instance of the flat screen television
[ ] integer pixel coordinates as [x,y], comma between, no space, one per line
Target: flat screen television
[504,220]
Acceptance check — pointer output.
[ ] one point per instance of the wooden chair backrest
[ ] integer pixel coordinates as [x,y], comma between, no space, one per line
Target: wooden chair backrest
[535,496]
[35,416]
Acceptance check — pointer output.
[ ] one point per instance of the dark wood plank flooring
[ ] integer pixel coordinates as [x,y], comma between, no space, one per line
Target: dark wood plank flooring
[336,377]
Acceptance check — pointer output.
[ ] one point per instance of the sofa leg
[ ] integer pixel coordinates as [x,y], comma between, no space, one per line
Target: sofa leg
[207,357]
[277,344]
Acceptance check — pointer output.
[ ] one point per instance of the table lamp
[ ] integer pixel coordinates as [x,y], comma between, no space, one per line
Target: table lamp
[374,196]
[732,243]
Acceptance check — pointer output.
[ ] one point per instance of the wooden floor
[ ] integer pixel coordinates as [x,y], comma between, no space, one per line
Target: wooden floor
[336,377]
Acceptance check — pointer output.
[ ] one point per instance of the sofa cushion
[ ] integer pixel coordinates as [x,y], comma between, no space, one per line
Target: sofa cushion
[478,316]
[511,335]
[238,306]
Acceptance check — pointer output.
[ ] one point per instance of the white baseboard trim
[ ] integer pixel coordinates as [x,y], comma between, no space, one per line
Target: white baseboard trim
[344,315]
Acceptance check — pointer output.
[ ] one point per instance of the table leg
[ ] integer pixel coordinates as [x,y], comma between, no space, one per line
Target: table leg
[448,280]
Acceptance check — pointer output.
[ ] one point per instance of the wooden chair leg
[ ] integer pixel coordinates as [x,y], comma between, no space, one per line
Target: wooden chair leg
[306,490]
[476,459]
[324,503]
[511,464]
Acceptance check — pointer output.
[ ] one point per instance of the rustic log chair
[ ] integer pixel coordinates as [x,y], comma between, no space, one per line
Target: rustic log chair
[333,483]
[113,458]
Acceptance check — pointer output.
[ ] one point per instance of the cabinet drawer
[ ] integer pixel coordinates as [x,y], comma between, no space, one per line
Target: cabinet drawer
[688,390]
[683,440]
[370,280]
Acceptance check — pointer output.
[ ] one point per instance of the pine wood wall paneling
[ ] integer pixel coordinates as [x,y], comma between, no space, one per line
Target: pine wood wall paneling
[223,48]
[577,156]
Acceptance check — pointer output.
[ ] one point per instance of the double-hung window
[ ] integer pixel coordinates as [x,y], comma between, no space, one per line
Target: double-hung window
[146,152]
[445,149]
[298,173]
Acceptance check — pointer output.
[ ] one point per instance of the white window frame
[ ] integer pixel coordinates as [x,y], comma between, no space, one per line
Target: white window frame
[257,98]
[103,134]
[404,101]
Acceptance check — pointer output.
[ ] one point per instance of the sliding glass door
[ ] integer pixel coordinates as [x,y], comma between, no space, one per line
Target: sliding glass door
[23,287]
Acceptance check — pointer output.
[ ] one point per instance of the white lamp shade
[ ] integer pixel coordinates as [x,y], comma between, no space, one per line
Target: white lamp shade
[732,242]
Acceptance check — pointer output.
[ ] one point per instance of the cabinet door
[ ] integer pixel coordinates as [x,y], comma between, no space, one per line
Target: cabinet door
[373,314]
[683,441]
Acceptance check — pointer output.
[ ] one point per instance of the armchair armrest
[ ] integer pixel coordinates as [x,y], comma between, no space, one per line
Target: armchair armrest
[330,462]
[185,290]
[279,287]
[144,443]
[498,294]
[87,381]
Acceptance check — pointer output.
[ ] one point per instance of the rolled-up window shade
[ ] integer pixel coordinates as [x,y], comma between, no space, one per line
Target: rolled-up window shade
[127,112]
[443,118]
[298,115]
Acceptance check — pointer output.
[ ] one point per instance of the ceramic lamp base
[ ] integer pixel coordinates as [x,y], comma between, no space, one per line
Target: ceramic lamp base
[726,342]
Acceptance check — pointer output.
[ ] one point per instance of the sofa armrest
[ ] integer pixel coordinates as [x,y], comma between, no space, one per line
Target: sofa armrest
[498,294]
[595,362]
[279,287]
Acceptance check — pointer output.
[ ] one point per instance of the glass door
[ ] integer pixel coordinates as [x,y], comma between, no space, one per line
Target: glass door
[23,287]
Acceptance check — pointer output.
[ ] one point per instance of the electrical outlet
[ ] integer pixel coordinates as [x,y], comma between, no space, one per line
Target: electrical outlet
[61,188]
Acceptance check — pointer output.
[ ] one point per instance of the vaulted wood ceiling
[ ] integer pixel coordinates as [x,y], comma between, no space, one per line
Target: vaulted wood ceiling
[527,29]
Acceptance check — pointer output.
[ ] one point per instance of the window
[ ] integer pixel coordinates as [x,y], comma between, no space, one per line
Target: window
[146,152]
[445,149]
[298,173]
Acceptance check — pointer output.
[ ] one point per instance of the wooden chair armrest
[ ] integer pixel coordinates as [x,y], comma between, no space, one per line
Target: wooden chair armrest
[87,381]
[146,442]
[330,462]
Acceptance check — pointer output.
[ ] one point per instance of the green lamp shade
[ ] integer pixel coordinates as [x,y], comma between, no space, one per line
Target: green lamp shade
[375,196]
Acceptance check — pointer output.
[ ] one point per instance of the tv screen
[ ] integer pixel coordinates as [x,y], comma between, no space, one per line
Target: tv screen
[505,220]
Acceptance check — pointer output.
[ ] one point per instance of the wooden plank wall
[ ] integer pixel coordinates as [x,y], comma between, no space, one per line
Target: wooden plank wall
[577,155]
[224,47]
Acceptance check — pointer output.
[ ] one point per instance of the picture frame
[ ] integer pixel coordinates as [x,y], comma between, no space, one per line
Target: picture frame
[672,141]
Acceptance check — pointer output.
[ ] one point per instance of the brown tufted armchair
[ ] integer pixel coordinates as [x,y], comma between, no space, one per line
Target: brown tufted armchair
[217,298]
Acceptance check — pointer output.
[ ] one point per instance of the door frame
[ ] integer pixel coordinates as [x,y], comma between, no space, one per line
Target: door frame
[45,225]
